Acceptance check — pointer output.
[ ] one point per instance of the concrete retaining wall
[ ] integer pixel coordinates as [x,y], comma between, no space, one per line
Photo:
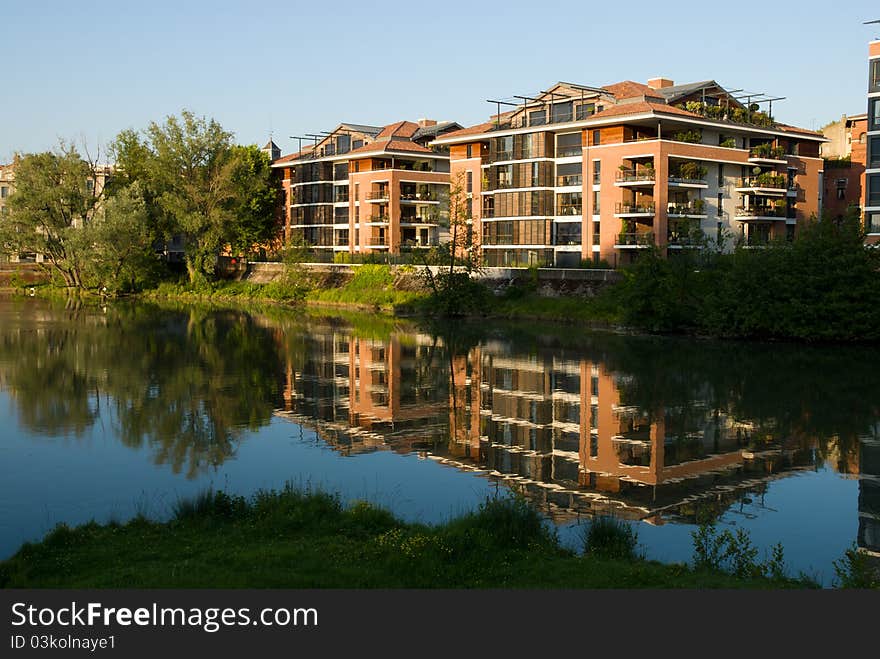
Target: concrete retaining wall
[549,282]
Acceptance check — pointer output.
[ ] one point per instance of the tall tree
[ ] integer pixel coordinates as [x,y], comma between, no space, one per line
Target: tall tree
[191,167]
[56,194]
[256,201]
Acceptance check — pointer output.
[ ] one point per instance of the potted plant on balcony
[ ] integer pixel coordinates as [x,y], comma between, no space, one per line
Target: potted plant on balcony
[699,206]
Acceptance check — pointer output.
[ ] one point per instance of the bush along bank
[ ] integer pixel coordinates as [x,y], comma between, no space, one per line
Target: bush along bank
[817,287]
[301,539]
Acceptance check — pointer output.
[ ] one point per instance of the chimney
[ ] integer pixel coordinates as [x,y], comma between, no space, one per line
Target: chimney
[424,123]
[660,83]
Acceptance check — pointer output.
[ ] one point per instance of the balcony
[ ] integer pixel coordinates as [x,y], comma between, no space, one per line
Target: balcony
[746,213]
[686,182]
[418,197]
[569,209]
[569,180]
[636,177]
[633,210]
[639,239]
[378,241]
[378,196]
[418,219]
[767,183]
[693,209]
[569,150]
[767,154]
[378,219]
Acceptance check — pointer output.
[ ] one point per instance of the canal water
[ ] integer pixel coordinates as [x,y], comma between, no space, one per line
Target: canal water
[109,412]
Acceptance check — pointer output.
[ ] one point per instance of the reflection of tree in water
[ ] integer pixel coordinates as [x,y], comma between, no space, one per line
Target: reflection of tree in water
[185,384]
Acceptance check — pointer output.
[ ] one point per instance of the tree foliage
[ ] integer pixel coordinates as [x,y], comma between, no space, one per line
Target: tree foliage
[56,195]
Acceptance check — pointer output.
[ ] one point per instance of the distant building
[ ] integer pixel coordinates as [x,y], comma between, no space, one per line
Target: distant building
[844,155]
[366,189]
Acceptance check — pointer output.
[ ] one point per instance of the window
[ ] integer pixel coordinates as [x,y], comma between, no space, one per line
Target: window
[873,186]
[343,143]
[357,144]
[841,188]
[470,150]
[357,165]
[597,137]
[874,114]
[561,112]
[4,192]
[597,171]
[720,174]
[874,152]
[537,117]
[595,202]
[585,110]
[535,181]
[872,222]
[874,78]
[470,182]
[720,205]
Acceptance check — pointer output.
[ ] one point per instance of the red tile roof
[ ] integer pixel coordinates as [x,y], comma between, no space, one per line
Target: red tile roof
[403,129]
[470,130]
[390,145]
[630,89]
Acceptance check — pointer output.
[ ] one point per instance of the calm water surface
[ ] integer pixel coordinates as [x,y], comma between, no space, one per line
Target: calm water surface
[107,413]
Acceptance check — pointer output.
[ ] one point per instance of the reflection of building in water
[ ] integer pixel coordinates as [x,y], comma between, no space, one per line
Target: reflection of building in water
[869,495]
[568,433]
[362,393]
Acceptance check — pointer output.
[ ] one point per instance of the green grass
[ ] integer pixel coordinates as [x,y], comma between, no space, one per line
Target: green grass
[371,285]
[302,539]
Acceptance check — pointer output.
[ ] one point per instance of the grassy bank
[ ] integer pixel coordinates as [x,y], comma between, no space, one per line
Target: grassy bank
[296,539]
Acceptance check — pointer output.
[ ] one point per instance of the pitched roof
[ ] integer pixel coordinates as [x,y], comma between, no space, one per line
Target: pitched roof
[390,145]
[289,157]
[363,128]
[404,129]
[630,89]
[640,108]
[270,145]
[676,92]
[436,129]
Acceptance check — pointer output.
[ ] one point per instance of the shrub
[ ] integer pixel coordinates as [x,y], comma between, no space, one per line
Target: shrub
[608,537]
[854,570]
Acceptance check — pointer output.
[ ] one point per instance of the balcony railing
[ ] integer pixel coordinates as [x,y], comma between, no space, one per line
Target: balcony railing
[570,179]
[760,211]
[378,242]
[633,209]
[378,194]
[636,176]
[639,238]
[772,181]
[417,196]
[767,152]
[685,209]
[568,151]
[688,181]
[569,209]
[378,218]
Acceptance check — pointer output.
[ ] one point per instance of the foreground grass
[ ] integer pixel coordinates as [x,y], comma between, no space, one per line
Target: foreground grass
[295,539]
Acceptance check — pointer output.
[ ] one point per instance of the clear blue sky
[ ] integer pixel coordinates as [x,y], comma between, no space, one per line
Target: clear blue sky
[88,70]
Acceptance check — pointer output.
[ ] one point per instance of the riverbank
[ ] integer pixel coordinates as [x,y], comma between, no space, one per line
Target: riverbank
[296,539]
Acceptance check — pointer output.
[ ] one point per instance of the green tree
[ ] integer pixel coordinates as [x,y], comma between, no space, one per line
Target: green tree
[120,242]
[255,202]
[56,194]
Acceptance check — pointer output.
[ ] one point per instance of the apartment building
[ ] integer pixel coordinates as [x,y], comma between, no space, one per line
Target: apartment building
[360,188]
[580,173]
[871,203]
[845,157]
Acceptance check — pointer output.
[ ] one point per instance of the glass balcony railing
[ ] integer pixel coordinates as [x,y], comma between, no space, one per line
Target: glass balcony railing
[638,238]
[566,151]
[772,181]
[568,209]
[761,211]
[570,179]
[636,176]
[634,209]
